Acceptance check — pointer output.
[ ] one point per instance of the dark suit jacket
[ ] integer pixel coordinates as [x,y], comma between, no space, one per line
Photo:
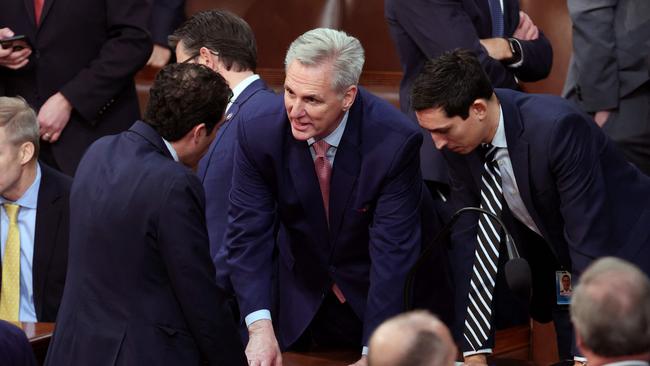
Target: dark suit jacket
[15,349]
[88,50]
[424,29]
[584,198]
[215,169]
[50,243]
[141,288]
[374,234]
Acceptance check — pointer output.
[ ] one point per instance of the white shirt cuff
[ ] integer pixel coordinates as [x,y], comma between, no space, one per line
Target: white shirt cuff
[263,314]
[478,352]
[364,351]
[579,359]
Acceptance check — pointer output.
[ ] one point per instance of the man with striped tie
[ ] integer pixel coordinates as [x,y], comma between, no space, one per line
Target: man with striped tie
[558,183]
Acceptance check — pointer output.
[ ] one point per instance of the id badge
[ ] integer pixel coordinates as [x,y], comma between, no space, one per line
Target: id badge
[563,287]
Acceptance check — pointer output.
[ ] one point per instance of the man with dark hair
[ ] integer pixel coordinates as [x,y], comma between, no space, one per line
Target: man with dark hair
[610,310]
[416,338]
[141,287]
[15,349]
[33,220]
[509,46]
[562,188]
[225,43]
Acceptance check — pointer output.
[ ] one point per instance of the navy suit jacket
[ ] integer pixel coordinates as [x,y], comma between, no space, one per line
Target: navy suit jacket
[586,200]
[140,288]
[15,349]
[215,169]
[424,29]
[374,233]
[89,50]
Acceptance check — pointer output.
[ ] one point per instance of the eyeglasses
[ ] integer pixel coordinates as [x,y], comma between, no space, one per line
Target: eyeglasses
[197,54]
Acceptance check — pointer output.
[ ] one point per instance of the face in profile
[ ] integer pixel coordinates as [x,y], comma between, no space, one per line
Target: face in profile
[453,133]
[313,106]
[10,163]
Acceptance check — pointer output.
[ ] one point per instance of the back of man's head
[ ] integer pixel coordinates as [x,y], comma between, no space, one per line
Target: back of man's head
[18,121]
[416,338]
[224,33]
[183,96]
[323,45]
[452,82]
[610,309]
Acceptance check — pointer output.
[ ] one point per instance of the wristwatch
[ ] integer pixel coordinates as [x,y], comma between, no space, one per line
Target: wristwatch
[515,48]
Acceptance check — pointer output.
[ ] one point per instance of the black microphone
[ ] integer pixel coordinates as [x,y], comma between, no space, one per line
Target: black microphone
[517,270]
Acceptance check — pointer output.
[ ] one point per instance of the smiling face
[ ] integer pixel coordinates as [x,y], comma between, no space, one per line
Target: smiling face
[456,134]
[314,108]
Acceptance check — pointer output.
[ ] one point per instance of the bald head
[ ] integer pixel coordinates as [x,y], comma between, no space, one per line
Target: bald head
[416,338]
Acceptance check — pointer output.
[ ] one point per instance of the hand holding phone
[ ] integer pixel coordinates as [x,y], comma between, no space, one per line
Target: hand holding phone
[16,43]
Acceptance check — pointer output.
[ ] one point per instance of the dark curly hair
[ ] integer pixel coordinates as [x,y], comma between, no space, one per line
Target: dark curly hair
[452,82]
[223,32]
[183,96]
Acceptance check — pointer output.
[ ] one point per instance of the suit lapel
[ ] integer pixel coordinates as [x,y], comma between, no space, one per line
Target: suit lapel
[231,114]
[29,7]
[347,163]
[48,217]
[46,9]
[305,182]
[518,149]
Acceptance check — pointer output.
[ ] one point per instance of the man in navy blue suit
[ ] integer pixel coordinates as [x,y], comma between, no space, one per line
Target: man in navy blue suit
[225,43]
[509,46]
[141,287]
[334,175]
[569,195]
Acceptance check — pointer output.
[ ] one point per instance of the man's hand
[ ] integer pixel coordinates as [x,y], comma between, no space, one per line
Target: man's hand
[13,59]
[601,117]
[363,361]
[262,348]
[526,30]
[497,48]
[476,360]
[53,117]
[159,56]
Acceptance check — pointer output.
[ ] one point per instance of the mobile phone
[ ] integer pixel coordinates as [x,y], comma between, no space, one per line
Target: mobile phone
[17,43]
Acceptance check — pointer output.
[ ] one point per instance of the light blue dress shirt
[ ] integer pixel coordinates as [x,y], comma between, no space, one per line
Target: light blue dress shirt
[27,229]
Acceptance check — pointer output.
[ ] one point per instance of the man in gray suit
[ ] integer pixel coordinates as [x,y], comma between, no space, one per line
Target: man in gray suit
[610,71]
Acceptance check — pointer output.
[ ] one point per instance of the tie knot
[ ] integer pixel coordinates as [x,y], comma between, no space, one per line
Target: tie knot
[320,148]
[488,151]
[12,211]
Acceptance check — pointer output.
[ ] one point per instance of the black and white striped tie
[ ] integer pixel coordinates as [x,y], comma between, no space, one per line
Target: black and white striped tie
[486,256]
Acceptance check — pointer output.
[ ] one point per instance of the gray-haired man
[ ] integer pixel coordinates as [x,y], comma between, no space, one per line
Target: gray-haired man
[338,169]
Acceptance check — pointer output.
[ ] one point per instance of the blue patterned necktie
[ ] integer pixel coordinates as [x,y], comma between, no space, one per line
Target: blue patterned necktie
[497,18]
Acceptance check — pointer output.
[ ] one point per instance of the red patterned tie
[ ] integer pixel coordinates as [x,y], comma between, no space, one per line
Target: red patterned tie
[38,9]
[324,174]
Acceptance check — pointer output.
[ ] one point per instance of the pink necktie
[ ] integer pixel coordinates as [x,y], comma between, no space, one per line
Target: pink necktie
[324,174]
[38,9]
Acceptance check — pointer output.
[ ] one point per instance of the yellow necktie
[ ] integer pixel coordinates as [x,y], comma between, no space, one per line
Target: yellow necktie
[10,293]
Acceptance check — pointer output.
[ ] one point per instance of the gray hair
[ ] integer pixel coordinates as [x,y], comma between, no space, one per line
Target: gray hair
[322,45]
[19,121]
[610,308]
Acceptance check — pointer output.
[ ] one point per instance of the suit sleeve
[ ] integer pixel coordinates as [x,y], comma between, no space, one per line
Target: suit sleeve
[594,53]
[250,232]
[124,52]
[395,235]
[166,16]
[183,244]
[437,26]
[574,150]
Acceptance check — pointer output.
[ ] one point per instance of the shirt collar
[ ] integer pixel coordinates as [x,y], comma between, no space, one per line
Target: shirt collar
[334,138]
[237,90]
[29,199]
[171,150]
[499,139]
